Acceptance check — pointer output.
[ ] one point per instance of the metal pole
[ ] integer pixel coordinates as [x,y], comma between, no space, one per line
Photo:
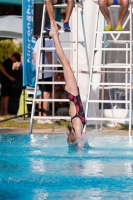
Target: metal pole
[126,78]
[91,71]
[37,69]
[86,51]
[76,70]
[24,102]
[53,103]
[130,111]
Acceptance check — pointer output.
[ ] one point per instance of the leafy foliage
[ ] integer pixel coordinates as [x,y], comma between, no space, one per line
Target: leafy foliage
[7,48]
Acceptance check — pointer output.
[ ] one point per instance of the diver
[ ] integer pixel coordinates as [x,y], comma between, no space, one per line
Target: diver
[76,133]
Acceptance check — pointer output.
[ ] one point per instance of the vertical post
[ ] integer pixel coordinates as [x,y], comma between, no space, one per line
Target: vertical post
[24,103]
[37,69]
[76,70]
[130,111]
[53,102]
[84,35]
[126,78]
[91,71]
[103,75]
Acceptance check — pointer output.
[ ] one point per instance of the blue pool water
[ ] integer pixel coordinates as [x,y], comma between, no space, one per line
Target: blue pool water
[38,167]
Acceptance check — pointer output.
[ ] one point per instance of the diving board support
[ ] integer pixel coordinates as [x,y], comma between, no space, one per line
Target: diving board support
[40,65]
[103,70]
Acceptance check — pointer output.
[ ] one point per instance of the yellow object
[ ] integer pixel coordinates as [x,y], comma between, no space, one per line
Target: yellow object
[119,28]
[22,103]
[108,28]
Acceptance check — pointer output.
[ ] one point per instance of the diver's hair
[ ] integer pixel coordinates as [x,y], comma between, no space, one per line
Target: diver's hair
[69,128]
[70,136]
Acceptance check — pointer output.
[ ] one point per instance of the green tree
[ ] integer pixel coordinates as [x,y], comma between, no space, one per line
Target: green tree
[7,48]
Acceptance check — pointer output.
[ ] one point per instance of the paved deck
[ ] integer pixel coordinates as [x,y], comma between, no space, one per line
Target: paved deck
[105,132]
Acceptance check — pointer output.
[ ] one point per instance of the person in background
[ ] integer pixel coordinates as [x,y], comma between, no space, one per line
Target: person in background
[46,76]
[103,5]
[77,115]
[49,7]
[61,107]
[6,81]
[18,65]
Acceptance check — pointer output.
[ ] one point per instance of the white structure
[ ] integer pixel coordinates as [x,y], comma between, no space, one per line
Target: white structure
[10,27]
[119,110]
[90,20]
[72,47]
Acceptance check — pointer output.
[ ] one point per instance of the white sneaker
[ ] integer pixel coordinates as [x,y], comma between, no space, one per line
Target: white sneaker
[40,121]
[48,121]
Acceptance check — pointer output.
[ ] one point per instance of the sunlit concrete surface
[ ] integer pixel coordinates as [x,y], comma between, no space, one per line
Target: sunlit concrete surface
[104,132]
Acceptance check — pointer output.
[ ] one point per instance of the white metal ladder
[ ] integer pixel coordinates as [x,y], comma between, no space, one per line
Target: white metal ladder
[40,65]
[104,68]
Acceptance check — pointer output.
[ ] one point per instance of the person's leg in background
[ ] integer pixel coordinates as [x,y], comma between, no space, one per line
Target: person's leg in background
[69,9]
[103,6]
[50,10]
[6,103]
[45,106]
[46,95]
[2,105]
[46,91]
[6,93]
[122,13]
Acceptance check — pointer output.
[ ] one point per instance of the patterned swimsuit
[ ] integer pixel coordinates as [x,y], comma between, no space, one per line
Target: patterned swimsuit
[79,107]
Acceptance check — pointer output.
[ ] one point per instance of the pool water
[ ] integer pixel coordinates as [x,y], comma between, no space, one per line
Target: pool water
[38,167]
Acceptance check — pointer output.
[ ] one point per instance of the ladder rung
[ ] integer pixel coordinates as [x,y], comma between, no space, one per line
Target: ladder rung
[107,119]
[50,71]
[71,41]
[116,32]
[115,72]
[57,71]
[61,31]
[111,66]
[52,100]
[28,102]
[63,5]
[112,49]
[53,48]
[51,117]
[50,83]
[84,72]
[60,5]
[108,101]
[52,65]
[111,87]
[118,41]
[116,84]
